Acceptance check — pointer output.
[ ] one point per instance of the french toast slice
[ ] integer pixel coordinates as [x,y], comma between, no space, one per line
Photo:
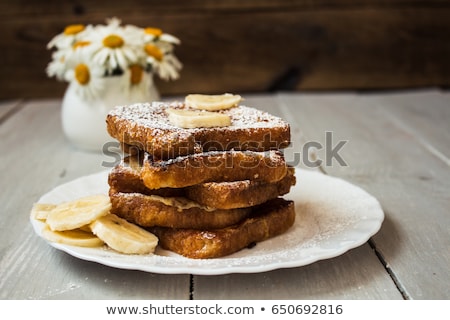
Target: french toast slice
[239,194]
[125,177]
[146,126]
[269,220]
[171,212]
[213,166]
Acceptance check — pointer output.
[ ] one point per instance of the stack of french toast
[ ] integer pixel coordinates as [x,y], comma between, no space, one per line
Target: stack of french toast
[205,175]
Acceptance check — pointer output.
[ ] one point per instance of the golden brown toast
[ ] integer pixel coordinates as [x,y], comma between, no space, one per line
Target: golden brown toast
[269,220]
[146,126]
[172,212]
[239,194]
[213,166]
[125,177]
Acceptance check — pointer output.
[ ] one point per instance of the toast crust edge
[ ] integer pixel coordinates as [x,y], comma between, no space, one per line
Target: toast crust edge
[146,212]
[213,166]
[275,218]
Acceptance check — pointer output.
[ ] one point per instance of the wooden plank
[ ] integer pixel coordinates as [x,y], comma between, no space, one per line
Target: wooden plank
[359,45]
[38,158]
[389,162]
[7,108]
[356,275]
[28,7]
[415,112]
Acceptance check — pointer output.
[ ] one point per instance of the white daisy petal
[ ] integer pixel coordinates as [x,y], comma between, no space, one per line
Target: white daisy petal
[112,61]
[113,22]
[174,61]
[120,58]
[56,69]
[130,55]
[100,57]
[169,38]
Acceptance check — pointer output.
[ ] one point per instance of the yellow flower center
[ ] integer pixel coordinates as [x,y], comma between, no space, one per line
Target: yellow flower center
[79,44]
[153,31]
[113,41]
[82,74]
[73,29]
[136,73]
[154,51]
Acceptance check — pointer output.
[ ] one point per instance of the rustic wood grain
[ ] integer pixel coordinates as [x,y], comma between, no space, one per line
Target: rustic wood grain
[356,275]
[396,167]
[7,108]
[422,108]
[35,159]
[250,46]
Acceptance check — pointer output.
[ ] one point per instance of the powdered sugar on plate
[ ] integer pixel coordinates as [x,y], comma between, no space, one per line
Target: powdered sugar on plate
[332,217]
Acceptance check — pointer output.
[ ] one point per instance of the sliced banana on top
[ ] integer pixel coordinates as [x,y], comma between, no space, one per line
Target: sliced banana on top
[40,211]
[212,102]
[78,213]
[197,118]
[124,236]
[76,237]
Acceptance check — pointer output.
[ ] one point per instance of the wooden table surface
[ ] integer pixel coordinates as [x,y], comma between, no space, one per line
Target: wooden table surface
[398,149]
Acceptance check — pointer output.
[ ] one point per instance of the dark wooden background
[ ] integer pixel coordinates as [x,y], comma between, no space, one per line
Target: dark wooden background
[248,45]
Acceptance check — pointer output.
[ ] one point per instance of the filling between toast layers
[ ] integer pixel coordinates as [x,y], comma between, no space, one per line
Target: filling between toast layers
[180,203]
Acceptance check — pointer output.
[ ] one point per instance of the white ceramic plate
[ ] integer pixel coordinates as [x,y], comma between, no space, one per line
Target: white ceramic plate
[333,216]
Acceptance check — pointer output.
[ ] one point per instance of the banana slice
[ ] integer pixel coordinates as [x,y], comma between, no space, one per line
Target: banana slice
[78,213]
[212,102]
[86,228]
[197,118]
[123,236]
[40,210]
[75,237]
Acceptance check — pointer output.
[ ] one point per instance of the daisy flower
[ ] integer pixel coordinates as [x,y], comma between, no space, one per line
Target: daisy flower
[80,50]
[165,64]
[115,46]
[156,34]
[67,37]
[169,67]
[66,43]
[58,66]
[139,80]
[87,78]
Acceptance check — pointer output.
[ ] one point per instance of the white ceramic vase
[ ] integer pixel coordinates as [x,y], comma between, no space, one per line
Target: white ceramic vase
[83,121]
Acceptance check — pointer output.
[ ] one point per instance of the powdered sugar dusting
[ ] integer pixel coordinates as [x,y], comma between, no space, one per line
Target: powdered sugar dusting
[153,115]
